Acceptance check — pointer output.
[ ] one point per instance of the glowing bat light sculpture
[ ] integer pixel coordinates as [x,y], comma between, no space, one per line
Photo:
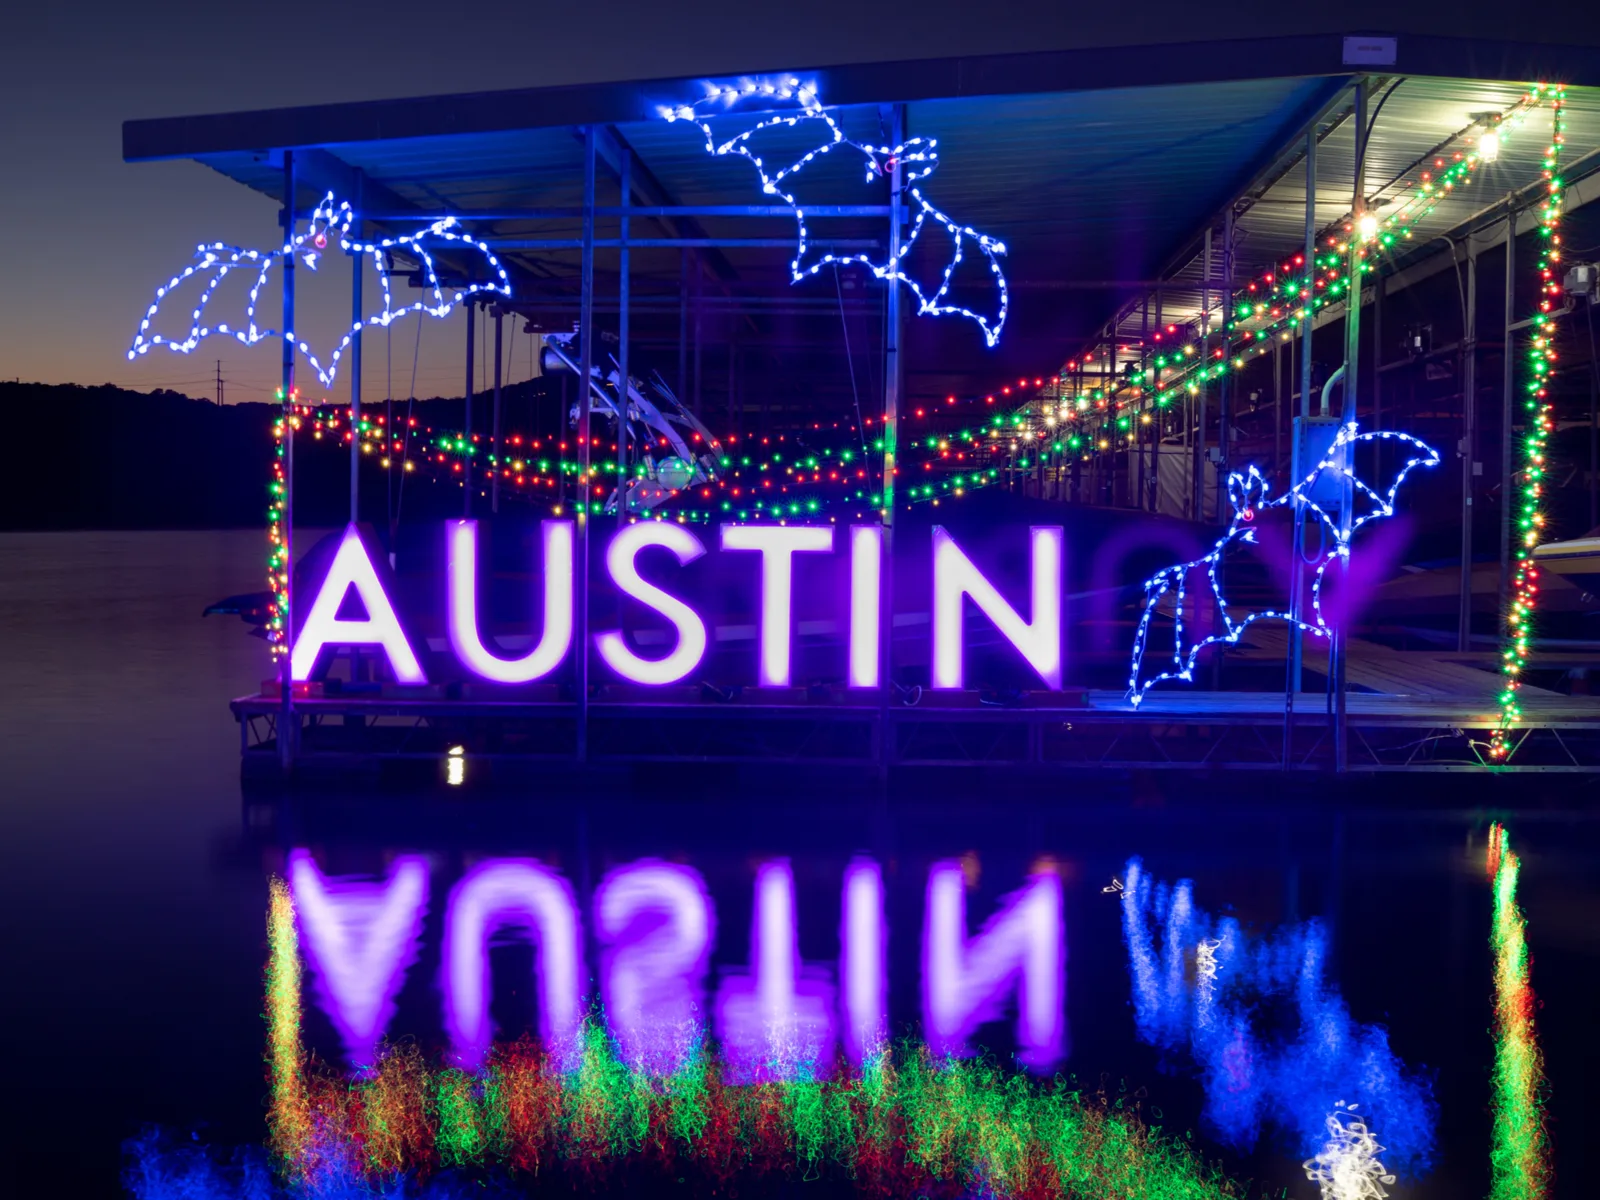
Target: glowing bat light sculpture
[1167,592]
[918,156]
[328,222]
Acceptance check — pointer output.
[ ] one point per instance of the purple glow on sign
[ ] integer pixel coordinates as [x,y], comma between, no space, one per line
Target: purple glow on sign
[863,970]
[360,938]
[465,639]
[490,897]
[866,590]
[1022,948]
[654,922]
[955,576]
[774,1022]
[621,562]
[352,568]
[778,545]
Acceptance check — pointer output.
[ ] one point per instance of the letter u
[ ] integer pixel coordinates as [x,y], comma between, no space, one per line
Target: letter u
[465,638]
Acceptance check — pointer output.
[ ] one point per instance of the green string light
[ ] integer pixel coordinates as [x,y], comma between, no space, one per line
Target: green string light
[1518,635]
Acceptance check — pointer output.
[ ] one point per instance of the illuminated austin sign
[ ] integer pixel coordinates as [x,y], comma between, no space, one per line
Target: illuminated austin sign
[654,926]
[956,580]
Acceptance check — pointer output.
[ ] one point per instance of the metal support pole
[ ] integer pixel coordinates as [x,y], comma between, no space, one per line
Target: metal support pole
[893,375]
[1594,419]
[286,714]
[1157,433]
[1225,401]
[624,300]
[1310,259]
[1469,439]
[1293,663]
[1199,443]
[357,262]
[1379,289]
[699,330]
[466,459]
[1508,384]
[683,326]
[1340,642]
[499,467]
[1277,408]
[1226,389]
[1141,437]
[585,370]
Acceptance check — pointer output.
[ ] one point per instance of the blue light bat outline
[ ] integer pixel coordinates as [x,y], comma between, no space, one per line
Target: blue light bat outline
[919,155]
[325,220]
[1242,489]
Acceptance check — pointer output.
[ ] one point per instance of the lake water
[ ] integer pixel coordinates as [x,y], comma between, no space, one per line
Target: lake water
[1334,945]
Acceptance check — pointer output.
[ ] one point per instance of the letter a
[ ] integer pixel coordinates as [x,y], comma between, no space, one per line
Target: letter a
[380,627]
[361,938]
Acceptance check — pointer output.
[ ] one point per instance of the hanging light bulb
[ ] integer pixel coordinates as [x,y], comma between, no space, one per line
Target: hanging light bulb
[1489,146]
[1367,225]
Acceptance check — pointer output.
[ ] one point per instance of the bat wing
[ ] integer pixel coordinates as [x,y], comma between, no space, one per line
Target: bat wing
[917,157]
[214,263]
[813,135]
[485,271]
[1373,493]
[1190,596]
[217,261]
[920,157]
[1164,644]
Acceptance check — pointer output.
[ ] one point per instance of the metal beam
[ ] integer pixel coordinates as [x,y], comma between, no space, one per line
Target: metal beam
[679,243]
[612,145]
[358,321]
[466,459]
[286,715]
[1014,74]
[1325,107]
[654,212]
[591,144]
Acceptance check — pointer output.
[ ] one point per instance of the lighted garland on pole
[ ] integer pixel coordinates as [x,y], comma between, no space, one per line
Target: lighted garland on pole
[1529,513]
[277,556]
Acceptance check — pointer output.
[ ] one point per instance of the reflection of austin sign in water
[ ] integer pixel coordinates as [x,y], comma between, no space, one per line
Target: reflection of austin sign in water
[654,926]
[955,578]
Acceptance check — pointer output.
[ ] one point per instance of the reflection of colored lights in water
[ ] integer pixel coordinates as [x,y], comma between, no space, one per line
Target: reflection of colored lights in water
[289,1119]
[1519,1155]
[906,1124]
[1347,1168]
[1204,988]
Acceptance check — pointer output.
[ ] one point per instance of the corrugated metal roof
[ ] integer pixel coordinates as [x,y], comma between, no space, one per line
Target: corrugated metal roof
[1422,126]
[1084,187]
[1080,186]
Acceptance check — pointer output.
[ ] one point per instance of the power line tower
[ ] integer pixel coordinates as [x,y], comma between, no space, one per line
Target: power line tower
[219,383]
